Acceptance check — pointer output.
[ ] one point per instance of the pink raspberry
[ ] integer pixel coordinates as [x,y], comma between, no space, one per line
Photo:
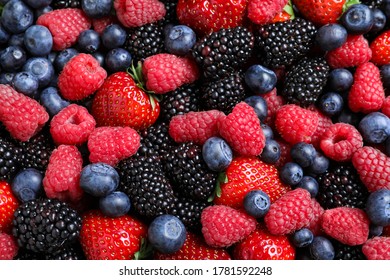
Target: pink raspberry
[8,247]
[324,122]
[315,223]
[195,127]
[274,102]
[99,24]
[223,226]
[65,25]
[242,130]
[292,211]
[263,11]
[377,248]
[21,115]
[166,72]
[285,155]
[348,225]
[112,144]
[373,168]
[81,77]
[72,125]
[341,141]
[386,107]
[62,175]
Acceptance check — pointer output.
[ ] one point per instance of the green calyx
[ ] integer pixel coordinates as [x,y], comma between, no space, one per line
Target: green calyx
[289,9]
[145,251]
[349,3]
[222,178]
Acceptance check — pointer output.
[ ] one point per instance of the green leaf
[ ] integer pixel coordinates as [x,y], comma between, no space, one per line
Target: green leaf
[222,178]
[145,251]
[289,9]
[349,3]
[152,102]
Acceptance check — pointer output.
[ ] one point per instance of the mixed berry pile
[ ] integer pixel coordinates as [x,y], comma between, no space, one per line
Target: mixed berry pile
[194,129]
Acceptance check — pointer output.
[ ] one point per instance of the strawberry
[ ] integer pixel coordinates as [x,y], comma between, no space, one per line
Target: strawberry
[381,49]
[245,174]
[105,238]
[205,16]
[121,102]
[8,205]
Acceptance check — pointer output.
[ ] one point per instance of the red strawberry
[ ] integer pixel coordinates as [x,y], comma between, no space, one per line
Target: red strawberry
[245,174]
[381,49]
[133,13]
[120,102]
[166,72]
[205,16]
[350,226]
[286,14]
[8,247]
[373,168]
[377,248]
[105,238]
[65,25]
[366,94]
[222,226]
[262,245]
[386,106]
[195,248]
[264,11]
[8,205]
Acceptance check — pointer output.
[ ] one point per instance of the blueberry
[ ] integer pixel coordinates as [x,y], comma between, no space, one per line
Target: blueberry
[38,40]
[357,19]
[26,83]
[331,36]
[320,164]
[347,116]
[257,203]
[375,230]
[99,56]
[88,41]
[52,101]
[259,105]
[385,75]
[117,59]
[16,16]
[4,35]
[17,40]
[217,154]
[113,36]
[331,103]
[375,127]
[291,173]
[63,57]
[378,207]
[271,151]
[115,204]
[12,58]
[179,40]
[322,249]
[6,78]
[267,131]
[379,20]
[27,184]
[260,79]
[303,153]
[40,11]
[99,179]
[41,68]
[310,184]
[303,237]
[387,146]
[96,8]
[340,80]
[38,3]
[167,234]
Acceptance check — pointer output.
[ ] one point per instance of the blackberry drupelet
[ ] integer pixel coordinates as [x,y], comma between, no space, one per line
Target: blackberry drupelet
[224,94]
[45,225]
[281,44]
[347,252]
[62,4]
[170,16]
[341,186]
[189,174]
[372,3]
[222,52]
[144,181]
[73,252]
[180,101]
[10,158]
[305,81]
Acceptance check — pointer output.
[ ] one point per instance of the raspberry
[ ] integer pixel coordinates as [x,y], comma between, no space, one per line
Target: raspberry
[81,77]
[292,211]
[133,13]
[166,72]
[324,122]
[62,175]
[348,225]
[65,25]
[340,141]
[373,168]
[223,226]
[315,223]
[367,94]
[99,24]
[112,144]
[296,124]
[262,12]
[353,52]
[242,130]
[285,155]
[377,248]
[386,107]
[195,127]
[22,116]
[8,247]
[274,102]
[72,125]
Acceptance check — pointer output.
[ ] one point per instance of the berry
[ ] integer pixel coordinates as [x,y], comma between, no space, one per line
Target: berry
[16,16]
[12,58]
[310,184]
[52,101]
[375,127]
[61,4]
[63,58]
[357,19]
[340,80]
[303,153]
[8,247]
[315,223]
[10,158]
[274,102]
[27,184]
[385,75]
[322,249]
[260,105]
[377,248]
[262,12]
[96,9]
[386,107]
[347,252]
[257,203]
[189,211]
[320,164]
[267,131]
[377,207]
[271,152]
[180,40]
[88,41]
[41,68]
[331,36]
[38,40]
[115,204]
[217,154]
[260,79]
[303,238]
[380,52]
[117,60]
[99,179]
[113,36]
[9,204]
[319,12]
[379,21]
[291,173]
[331,103]
[26,83]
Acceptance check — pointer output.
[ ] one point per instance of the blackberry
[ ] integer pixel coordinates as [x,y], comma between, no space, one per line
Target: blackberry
[224,94]
[45,225]
[10,158]
[305,81]
[73,252]
[170,16]
[341,186]
[281,44]
[62,4]
[24,254]
[144,181]
[372,3]
[189,174]
[220,53]
[347,252]
[180,101]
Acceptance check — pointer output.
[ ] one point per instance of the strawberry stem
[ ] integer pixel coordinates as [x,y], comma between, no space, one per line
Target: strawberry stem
[289,9]
[349,3]
[222,178]
[145,251]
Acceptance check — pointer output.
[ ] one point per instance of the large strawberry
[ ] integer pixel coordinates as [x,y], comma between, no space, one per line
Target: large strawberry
[8,205]
[205,16]
[105,238]
[121,102]
[381,49]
